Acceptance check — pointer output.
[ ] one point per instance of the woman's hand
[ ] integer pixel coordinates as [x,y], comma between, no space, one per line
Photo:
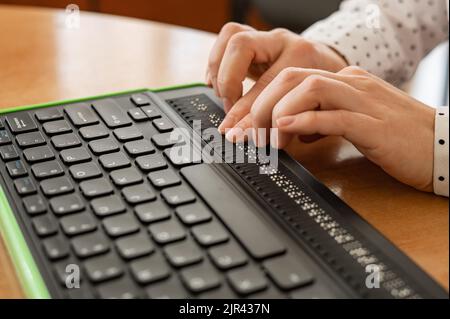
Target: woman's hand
[389,127]
[241,51]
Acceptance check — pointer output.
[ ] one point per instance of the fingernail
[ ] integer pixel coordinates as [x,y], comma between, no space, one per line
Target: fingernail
[285,121]
[214,83]
[274,138]
[227,104]
[235,134]
[262,140]
[255,136]
[228,122]
[208,79]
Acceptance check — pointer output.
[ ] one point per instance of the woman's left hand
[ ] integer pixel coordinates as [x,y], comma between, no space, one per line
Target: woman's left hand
[389,127]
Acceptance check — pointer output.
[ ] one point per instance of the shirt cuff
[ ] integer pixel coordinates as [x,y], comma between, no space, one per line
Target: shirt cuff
[441,152]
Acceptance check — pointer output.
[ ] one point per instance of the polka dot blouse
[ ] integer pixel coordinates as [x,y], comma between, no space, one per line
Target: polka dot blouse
[389,38]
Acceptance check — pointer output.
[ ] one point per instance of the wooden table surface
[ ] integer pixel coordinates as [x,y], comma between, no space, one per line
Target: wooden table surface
[41,60]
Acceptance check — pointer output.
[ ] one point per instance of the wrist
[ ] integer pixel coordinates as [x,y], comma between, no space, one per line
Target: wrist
[331,59]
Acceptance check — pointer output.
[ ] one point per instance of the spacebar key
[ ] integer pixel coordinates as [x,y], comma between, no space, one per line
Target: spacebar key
[240,217]
[111,113]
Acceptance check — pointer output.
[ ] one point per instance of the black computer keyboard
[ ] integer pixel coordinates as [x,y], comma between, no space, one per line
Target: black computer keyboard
[96,184]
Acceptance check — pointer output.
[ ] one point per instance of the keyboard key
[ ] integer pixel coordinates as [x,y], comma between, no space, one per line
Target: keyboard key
[152,111]
[30,139]
[114,161]
[183,253]
[75,155]
[288,272]
[81,114]
[137,148]
[193,213]
[65,141]
[166,140]
[16,169]
[38,154]
[56,127]
[171,288]
[178,195]
[314,292]
[85,171]
[152,212]
[247,280]
[223,292]
[111,113]
[126,134]
[8,153]
[151,162]
[167,231]
[84,292]
[25,186]
[56,186]
[90,244]
[179,159]
[200,277]
[56,247]
[210,234]
[137,114]
[34,205]
[106,206]
[259,239]
[96,187]
[103,146]
[126,176]
[228,256]
[94,132]
[122,288]
[20,122]
[78,224]
[44,225]
[270,293]
[120,225]
[47,169]
[62,270]
[1,124]
[150,269]
[4,137]
[138,194]
[163,124]
[134,246]
[48,114]
[140,99]
[103,267]
[66,204]
[164,178]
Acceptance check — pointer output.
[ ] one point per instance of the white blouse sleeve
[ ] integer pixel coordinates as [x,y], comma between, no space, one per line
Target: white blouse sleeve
[386,37]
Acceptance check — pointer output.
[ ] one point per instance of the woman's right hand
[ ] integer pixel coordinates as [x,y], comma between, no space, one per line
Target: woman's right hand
[241,51]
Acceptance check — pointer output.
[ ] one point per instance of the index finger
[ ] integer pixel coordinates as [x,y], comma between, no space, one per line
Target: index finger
[218,49]
[243,50]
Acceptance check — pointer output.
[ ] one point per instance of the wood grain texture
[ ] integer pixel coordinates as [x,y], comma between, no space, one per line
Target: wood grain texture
[41,61]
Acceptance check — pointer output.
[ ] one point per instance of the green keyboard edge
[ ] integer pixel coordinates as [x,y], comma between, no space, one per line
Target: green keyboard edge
[30,278]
